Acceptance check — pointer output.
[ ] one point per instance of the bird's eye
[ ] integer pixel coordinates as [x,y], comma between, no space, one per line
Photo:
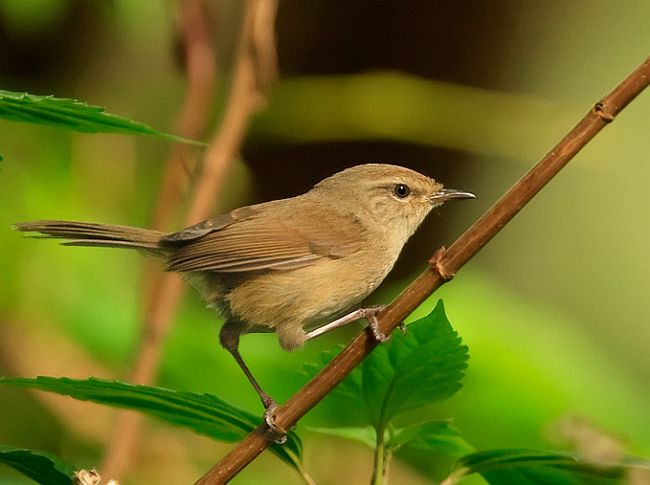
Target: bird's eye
[401,190]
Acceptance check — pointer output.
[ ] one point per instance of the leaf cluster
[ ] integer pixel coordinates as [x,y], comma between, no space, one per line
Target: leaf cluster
[410,372]
[424,365]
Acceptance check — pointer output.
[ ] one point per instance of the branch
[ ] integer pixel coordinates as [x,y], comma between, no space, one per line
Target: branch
[161,295]
[445,262]
[197,25]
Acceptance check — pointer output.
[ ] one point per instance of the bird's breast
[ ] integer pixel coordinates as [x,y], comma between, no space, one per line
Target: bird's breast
[309,294]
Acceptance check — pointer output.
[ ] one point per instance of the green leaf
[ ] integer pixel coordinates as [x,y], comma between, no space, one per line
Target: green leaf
[202,413]
[438,436]
[410,371]
[73,115]
[413,370]
[40,466]
[530,467]
[362,434]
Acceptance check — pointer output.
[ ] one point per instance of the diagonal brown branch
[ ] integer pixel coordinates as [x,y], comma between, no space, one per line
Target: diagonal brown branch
[448,261]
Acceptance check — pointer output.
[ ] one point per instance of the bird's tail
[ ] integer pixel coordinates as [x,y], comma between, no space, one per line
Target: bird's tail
[90,234]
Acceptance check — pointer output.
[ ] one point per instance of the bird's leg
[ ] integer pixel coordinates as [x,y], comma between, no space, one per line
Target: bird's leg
[229,338]
[369,314]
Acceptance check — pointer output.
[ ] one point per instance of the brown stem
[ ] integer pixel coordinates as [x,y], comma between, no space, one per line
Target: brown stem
[254,61]
[197,32]
[246,97]
[163,294]
[461,251]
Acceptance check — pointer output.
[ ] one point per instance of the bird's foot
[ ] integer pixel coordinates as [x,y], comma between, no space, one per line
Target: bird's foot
[275,433]
[370,314]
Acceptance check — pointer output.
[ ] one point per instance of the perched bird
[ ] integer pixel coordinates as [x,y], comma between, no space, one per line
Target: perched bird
[288,265]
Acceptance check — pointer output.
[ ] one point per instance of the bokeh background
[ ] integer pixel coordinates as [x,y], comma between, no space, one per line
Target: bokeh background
[555,309]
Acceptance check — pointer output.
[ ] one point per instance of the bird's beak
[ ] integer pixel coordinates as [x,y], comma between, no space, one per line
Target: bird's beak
[444,195]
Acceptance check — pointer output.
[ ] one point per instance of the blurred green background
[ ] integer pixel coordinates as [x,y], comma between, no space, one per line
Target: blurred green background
[555,309]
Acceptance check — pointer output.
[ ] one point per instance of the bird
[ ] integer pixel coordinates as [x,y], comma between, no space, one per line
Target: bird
[291,265]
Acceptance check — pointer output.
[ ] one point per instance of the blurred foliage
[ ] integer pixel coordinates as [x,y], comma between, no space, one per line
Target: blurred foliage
[355,107]
[527,467]
[555,309]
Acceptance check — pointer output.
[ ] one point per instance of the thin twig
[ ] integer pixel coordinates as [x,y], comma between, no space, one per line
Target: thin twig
[263,43]
[197,33]
[246,96]
[450,260]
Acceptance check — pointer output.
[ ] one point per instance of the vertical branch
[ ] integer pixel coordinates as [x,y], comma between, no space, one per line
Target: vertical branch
[246,97]
[263,43]
[161,296]
[255,67]
[444,262]
[197,33]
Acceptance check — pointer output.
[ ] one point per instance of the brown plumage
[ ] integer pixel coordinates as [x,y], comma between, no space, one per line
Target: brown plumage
[263,237]
[287,264]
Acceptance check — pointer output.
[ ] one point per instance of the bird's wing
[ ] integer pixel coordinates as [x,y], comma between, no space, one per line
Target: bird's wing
[268,236]
[200,229]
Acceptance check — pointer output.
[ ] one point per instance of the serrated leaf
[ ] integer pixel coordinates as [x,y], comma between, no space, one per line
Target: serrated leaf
[73,115]
[438,436]
[40,466]
[410,371]
[413,370]
[361,434]
[531,467]
[202,413]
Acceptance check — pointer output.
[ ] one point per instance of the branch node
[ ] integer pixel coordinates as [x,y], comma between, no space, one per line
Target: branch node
[600,111]
[437,264]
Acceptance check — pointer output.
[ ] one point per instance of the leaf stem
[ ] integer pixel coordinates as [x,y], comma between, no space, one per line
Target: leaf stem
[379,465]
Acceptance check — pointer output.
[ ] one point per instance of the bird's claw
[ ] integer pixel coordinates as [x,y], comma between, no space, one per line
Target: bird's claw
[275,433]
[370,314]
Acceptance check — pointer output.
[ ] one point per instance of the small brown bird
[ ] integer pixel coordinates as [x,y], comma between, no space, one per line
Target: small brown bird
[287,265]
